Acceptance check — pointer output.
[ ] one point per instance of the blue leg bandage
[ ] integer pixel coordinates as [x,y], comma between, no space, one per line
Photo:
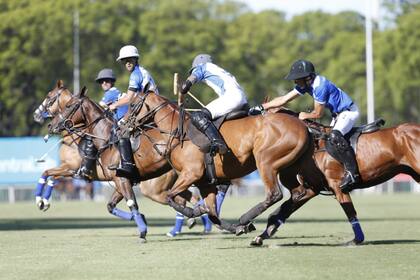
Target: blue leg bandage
[122,214]
[141,224]
[40,186]
[357,229]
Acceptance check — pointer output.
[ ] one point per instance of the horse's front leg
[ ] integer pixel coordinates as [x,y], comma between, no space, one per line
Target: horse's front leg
[124,186]
[299,197]
[116,197]
[42,193]
[185,179]
[347,205]
[274,193]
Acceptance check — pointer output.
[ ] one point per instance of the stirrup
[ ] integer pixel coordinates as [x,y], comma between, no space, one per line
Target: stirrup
[348,182]
[82,175]
[219,147]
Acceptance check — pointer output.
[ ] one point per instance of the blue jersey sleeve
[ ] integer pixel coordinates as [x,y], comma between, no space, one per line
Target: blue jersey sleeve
[321,94]
[136,78]
[110,96]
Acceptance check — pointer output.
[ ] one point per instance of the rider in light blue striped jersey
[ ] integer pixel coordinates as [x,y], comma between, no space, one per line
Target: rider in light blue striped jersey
[326,95]
[231,97]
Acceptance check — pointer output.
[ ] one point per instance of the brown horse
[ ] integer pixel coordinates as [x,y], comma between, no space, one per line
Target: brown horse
[156,189]
[381,155]
[271,144]
[288,177]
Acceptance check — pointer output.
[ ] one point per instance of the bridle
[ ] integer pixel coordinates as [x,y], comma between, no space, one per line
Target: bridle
[43,111]
[66,122]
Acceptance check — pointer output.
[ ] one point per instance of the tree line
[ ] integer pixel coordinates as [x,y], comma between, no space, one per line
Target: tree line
[36,49]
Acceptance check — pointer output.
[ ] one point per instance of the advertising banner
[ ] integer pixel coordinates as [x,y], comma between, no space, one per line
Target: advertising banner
[23,159]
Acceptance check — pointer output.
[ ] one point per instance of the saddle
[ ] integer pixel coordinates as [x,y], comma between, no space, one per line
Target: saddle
[204,144]
[200,140]
[353,135]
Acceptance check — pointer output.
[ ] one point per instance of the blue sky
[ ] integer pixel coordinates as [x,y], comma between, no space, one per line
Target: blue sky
[294,7]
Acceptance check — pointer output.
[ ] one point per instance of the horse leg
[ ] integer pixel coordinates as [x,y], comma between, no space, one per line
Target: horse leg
[185,179]
[157,188]
[42,194]
[347,205]
[299,197]
[39,190]
[179,222]
[273,195]
[43,199]
[116,197]
[126,189]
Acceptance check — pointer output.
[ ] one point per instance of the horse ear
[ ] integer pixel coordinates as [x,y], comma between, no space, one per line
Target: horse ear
[83,92]
[60,84]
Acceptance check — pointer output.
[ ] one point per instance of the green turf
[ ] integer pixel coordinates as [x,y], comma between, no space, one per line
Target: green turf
[80,240]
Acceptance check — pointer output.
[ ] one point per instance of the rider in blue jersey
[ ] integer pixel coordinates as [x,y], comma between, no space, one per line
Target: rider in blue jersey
[106,79]
[326,95]
[140,81]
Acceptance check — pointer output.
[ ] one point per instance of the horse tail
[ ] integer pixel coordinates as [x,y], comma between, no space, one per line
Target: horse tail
[408,137]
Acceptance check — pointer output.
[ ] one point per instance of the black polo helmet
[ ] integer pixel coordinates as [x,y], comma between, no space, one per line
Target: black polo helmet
[105,74]
[300,69]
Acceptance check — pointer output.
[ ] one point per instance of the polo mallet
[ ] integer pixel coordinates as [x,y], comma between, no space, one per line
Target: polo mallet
[42,159]
[177,86]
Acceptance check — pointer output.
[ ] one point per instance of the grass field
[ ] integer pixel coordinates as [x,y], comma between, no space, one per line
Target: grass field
[80,240]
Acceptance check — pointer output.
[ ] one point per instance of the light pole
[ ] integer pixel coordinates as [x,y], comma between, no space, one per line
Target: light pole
[76,55]
[369,63]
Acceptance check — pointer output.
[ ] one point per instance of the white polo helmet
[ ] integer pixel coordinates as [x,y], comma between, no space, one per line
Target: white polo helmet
[128,51]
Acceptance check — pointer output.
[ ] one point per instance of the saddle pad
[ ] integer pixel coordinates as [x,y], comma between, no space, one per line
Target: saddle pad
[198,138]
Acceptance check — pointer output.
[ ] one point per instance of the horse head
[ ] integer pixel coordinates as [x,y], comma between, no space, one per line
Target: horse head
[53,103]
[82,114]
[68,113]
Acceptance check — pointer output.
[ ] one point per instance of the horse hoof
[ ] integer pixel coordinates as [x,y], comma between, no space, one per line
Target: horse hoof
[40,205]
[240,229]
[46,207]
[250,227]
[353,242]
[257,242]
[271,230]
[172,234]
[191,223]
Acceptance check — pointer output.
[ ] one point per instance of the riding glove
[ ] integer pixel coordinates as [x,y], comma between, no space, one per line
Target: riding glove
[186,86]
[256,110]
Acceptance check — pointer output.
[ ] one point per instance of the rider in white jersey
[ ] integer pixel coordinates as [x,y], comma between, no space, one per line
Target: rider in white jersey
[326,95]
[231,97]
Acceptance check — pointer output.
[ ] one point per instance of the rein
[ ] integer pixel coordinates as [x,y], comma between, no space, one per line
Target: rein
[67,124]
[144,123]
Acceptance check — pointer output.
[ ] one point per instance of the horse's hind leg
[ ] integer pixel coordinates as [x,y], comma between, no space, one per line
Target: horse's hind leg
[124,186]
[347,205]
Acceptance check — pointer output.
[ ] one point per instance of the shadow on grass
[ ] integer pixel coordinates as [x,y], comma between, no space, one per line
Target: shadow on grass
[368,243]
[76,223]
[312,244]
[86,223]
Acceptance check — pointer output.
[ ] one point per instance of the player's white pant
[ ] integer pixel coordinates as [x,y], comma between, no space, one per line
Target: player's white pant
[344,121]
[226,103]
